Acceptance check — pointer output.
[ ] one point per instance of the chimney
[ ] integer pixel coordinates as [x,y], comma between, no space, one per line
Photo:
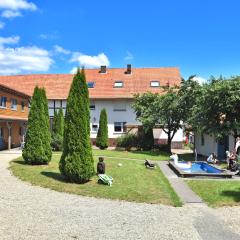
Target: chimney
[103,69]
[129,69]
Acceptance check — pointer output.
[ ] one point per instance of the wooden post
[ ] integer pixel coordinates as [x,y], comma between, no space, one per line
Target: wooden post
[9,126]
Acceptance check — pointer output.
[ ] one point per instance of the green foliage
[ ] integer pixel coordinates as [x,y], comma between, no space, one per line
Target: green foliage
[217,108]
[128,141]
[37,148]
[102,135]
[76,163]
[146,139]
[57,130]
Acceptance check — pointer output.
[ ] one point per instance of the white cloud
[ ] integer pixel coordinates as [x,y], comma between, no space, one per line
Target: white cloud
[200,80]
[90,61]
[22,59]
[61,50]
[17,5]
[10,14]
[2,25]
[74,70]
[12,8]
[9,40]
[129,56]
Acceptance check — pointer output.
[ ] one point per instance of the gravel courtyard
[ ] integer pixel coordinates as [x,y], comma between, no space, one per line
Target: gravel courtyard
[30,212]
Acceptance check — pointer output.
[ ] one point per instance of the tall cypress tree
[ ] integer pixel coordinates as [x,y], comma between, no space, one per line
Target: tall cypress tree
[37,148]
[76,163]
[57,130]
[46,134]
[102,135]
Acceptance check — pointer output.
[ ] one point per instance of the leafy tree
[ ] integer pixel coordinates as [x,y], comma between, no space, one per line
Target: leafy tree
[37,148]
[216,111]
[102,135]
[76,162]
[167,111]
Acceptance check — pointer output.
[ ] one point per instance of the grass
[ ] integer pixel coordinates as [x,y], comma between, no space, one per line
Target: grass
[141,155]
[217,193]
[132,181]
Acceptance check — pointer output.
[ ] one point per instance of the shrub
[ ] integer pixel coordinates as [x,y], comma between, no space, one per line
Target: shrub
[102,135]
[128,141]
[37,149]
[76,162]
[146,139]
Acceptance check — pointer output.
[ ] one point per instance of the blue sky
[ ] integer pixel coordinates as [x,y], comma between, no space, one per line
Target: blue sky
[54,36]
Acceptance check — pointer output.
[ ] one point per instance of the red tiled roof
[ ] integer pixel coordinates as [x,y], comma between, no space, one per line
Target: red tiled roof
[12,90]
[57,85]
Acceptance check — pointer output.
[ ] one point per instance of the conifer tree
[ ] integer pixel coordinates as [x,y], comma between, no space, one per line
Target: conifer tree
[57,130]
[76,162]
[37,149]
[102,135]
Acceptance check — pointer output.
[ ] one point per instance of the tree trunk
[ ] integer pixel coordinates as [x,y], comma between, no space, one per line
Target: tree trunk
[169,143]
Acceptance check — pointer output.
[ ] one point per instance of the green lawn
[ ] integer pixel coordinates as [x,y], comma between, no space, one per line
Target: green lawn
[141,155]
[217,193]
[132,181]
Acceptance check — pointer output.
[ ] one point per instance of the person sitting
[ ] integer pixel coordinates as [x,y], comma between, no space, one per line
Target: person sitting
[212,158]
[148,164]
[233,164]
[101,166]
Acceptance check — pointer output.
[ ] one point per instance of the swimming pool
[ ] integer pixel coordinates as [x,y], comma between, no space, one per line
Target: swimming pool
[199,169]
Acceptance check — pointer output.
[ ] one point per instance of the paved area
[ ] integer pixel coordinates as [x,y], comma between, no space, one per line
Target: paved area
[180,187]
[30,212]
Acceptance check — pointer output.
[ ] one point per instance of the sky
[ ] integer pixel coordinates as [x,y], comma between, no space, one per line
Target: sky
[56,36]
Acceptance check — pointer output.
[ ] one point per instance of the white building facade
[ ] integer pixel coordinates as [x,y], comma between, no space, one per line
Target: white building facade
[206,144]
[112,89]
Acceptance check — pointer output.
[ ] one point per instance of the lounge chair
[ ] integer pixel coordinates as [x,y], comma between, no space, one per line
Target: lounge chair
[105,179]
[148,164]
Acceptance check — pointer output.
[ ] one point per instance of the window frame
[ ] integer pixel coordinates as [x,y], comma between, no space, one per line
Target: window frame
[14,107]
[93,84]
[122,125]
[154,86]
[3,97]
[118,82]
[92,129]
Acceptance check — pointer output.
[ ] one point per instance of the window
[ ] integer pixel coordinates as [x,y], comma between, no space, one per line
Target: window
[119,127]
[22,105]
[14,104]
[91,84]
[1,132]
[92,106]
[119,106]
[118,84]
[94,127]
[3,102]
[155,84]
[202,140]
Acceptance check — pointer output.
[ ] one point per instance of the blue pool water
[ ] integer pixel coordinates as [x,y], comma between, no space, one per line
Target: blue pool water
[201,167]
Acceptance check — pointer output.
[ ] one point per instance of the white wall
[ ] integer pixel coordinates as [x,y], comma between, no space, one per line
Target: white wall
[113,116]
[210,144]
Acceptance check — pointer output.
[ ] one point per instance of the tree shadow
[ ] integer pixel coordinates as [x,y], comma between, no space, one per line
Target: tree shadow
[235,194]
[21,162]
[150,153]
[54,175]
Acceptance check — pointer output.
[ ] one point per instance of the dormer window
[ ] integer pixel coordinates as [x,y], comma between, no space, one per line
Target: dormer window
[118,84]
[91,84]
[155,84]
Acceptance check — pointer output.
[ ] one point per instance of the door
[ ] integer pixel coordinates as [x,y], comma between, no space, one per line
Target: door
[1,139]
[223,146]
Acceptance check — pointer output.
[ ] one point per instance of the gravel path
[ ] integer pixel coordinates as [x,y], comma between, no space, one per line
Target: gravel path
[30,212]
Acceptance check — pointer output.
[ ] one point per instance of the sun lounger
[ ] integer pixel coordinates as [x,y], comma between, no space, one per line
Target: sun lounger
[106,179]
